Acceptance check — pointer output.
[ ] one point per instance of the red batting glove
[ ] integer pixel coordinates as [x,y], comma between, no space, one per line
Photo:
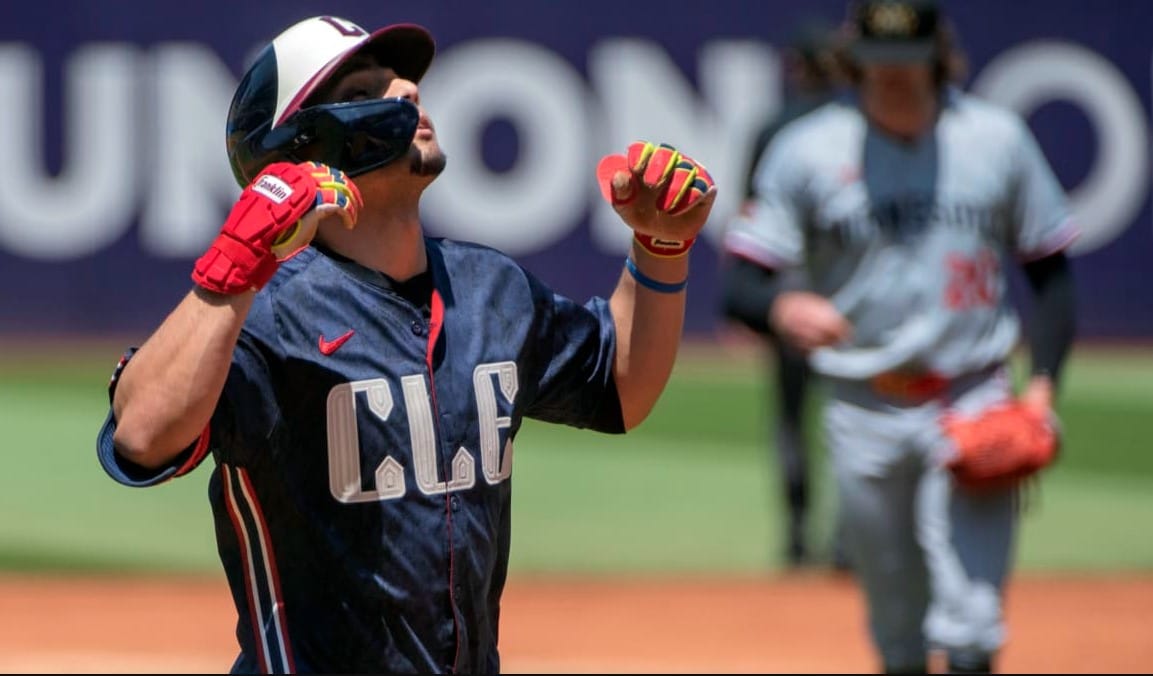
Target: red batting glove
[267,225]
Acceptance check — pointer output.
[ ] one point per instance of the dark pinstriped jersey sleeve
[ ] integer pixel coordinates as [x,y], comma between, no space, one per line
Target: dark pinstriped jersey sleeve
[247,411]
[574,374]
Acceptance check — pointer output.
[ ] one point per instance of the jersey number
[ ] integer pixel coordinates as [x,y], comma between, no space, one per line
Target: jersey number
[344,470]
[972,281]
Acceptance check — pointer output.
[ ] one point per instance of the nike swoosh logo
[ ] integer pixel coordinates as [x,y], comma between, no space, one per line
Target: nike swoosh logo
[327,347]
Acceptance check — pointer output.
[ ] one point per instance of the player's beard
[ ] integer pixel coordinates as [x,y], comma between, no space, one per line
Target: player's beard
[420,164]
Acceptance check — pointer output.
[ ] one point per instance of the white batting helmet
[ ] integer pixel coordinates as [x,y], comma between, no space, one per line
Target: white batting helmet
[268,123]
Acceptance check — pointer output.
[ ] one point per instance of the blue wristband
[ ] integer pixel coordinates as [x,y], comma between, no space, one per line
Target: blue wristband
[650,283]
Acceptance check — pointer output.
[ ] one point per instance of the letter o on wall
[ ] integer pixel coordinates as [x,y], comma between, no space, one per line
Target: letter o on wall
[543,195]
[1113,192]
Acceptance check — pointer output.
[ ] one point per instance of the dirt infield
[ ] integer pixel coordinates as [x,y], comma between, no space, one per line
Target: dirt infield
[810,623]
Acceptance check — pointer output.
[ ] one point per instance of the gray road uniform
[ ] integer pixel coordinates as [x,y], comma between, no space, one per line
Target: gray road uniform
[911,242]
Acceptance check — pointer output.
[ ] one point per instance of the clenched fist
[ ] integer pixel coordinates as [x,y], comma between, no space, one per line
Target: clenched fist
[663,195]
[275,217]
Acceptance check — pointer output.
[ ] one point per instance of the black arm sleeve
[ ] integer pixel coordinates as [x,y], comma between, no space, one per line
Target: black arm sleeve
[749,290]
[760,145]
[1053,324]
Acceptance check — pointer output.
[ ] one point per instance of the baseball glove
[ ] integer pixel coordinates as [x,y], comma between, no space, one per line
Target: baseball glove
[1000,446]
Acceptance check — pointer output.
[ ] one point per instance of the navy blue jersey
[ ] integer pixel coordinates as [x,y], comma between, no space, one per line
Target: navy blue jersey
[363,451]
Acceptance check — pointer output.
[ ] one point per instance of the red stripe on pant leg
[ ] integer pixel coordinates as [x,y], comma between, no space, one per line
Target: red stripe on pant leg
[249,573]
[273,574]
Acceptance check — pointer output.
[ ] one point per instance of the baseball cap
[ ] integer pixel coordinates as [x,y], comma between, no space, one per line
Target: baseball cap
[308,52]
[895,30]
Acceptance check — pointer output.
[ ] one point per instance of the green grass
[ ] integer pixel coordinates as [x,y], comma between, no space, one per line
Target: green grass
[694,489]
[1106,409]
[57,508]
[639,504]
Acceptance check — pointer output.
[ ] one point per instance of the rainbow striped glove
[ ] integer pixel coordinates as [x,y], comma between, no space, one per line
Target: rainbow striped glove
[664,195]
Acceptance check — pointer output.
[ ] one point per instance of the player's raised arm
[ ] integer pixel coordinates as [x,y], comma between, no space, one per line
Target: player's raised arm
[665,197]
[167,391]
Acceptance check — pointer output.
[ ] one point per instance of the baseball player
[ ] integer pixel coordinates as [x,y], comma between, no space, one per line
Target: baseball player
[811,81]
[360,385]
[899,213]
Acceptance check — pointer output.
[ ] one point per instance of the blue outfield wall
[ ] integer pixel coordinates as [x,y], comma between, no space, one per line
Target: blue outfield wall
[113,126]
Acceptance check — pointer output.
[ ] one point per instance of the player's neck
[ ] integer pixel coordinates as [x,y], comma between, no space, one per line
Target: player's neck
[391,242]
[907,122]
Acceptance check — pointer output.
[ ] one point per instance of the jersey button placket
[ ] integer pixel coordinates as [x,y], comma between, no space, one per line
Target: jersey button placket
[418,328]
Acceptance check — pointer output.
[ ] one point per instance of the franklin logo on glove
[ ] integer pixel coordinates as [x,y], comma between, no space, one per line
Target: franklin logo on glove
[273,188]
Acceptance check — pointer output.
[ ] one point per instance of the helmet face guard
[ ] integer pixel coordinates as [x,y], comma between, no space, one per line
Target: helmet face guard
[354,137]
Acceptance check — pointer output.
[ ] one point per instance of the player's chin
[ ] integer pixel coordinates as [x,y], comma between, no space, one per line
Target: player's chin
[426,159]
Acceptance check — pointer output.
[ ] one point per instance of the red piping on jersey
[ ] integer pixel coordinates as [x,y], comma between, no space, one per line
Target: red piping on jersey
[435,323]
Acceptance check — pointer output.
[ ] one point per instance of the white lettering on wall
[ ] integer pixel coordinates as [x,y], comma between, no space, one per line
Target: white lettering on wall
[144,138]
[92,201]
[1033,74]
[542,196]
[189,170]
